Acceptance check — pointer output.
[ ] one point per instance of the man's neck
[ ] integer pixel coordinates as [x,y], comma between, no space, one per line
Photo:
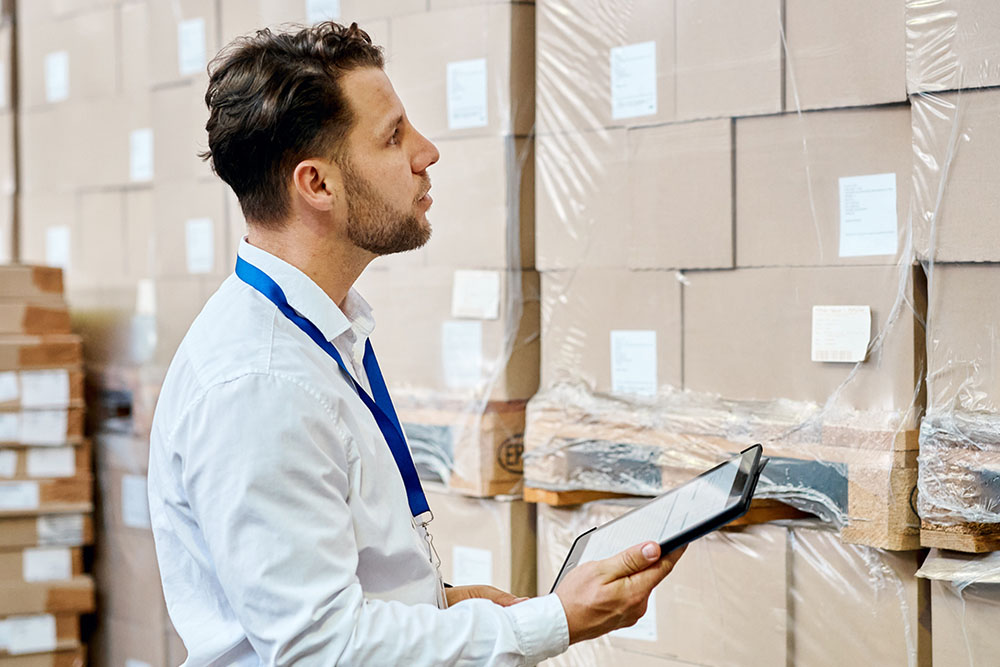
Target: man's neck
[331,265]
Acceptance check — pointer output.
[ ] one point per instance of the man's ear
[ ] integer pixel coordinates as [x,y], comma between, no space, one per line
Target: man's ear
[318,183]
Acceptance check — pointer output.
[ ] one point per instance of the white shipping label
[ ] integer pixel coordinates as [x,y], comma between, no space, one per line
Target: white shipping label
[10,426]
[471,566]
[140,155]
[476,294]
[132,662]
[10,389]
[462,353]
[8,463]
[200,244]
[51,461]
[645,628]
[28,634]
[45,389]
[467,94]
[135,503]
[57,246]
[145,297]
[322,10]
[841,333]
[60,529]
[868,223]
[47,564]
[633,362]
[44,427]
[19,495]
[191,46]
[633,80]
[57,76]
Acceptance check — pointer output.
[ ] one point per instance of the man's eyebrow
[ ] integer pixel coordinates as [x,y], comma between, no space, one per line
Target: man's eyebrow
[392,124]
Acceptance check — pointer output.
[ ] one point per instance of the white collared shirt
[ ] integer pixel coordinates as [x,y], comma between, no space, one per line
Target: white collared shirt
[282,528]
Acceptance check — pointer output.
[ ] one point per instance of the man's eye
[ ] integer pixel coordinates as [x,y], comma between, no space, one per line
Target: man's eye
[394,139]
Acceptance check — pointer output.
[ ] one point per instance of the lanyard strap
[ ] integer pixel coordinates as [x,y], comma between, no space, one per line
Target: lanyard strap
[381,406]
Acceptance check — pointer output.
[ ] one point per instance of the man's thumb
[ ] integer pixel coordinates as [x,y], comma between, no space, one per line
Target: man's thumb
[632,560]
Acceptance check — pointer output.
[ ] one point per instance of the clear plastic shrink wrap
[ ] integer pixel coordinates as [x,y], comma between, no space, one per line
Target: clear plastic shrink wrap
[953,73]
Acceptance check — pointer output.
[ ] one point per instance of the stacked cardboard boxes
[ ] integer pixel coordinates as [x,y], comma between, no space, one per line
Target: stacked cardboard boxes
[45,472]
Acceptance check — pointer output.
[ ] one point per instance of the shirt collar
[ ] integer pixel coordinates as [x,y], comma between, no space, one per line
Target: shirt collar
[309,300]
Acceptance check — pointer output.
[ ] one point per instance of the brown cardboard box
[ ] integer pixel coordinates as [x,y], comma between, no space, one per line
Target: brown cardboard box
[119,451]
[849,54]
[99,254]
[182,40]
[484,540]
[239,17]
[179,117]
[33,319]
[437,70]
[75,595]
[955,198]
[34,11]
[789,187]
[851,604]
[64,658]
[462,340]
[46,496]
[66,636]
[582,46]
[748,335]
[952,44]
[22,281]
[23,352]
[128,578]
[124,504]
[582,310]
[189,232]
[483,189]
[61,563]
[729,57]
[965,606]
[67,59]
[70,530]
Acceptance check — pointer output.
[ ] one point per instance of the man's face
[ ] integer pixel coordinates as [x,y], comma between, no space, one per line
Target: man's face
[384,167]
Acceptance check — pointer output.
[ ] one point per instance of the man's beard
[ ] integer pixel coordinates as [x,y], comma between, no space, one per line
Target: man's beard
[372,222]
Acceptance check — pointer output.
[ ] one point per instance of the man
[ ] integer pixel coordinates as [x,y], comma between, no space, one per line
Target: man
[289,524]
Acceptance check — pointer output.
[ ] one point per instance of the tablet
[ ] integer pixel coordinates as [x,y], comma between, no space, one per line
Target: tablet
[707,502]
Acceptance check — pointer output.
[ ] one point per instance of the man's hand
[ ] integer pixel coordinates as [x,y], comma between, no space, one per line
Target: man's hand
[458,593]
[605,595]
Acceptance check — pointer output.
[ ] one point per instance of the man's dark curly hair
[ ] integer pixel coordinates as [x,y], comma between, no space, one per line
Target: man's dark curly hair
[274,99]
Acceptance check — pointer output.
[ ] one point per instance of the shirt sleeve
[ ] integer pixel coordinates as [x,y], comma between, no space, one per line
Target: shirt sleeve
[269,488]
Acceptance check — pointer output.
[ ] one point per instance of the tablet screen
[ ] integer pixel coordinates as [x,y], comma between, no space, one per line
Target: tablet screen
[672,513]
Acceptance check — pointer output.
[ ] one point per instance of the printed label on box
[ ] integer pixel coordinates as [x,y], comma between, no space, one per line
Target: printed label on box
[44,427]
[51,462]
[476,294]
[60,530]
[57,246]
[45,389]
[135,503]
[28,634]
[868,223]
[10,426]
[19,495]
[47,564]
[132,662]
[140,155]
[633,80]
[841,333]
[10,389]
[467,94]
[191,46]
[462,353]
[470,566]
[322,10]
[57,76]
[633,362]
[8,463]
[200,243]
[645,628]
[145,297]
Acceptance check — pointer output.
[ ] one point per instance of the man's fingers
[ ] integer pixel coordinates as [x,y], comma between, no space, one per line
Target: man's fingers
[648,579]
[632,560]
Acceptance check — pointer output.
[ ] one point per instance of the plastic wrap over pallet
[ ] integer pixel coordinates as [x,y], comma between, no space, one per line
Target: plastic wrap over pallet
[953,70]
[726,254]
[770,594]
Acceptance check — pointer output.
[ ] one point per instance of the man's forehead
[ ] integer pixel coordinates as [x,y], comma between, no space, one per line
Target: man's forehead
[372,98]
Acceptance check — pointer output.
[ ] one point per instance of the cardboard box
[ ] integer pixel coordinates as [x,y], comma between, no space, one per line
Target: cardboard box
[46,564]
[72,58]
[599,68]
[179,117]
[844,55]
[73,596]
[189,230]
[467,72]
[748,335]
[55,462]
[24,352]
[68,529]
[954,201]
[182,40]
[952,44]
[136,76]
[34,11]
[484,540]
[461,322]
[62,632]
[128,579]
[729,58]
[33,319]
[817,189]
[65,658]
[239,17]
[46,496]
[636,198]
[125,643]
[22,281]
[42,389]
[615,331]
[124,504]
[851,604]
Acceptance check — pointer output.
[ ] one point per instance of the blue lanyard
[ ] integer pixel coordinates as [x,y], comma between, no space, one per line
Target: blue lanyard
[380,407]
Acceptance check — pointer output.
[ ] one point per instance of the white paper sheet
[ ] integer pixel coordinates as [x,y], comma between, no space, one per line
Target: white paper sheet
[8,463]
[633,362]
[10,387]
[19,495]
[45,388]
[841,333]
[191,46]
[868,222]
[476,294]
[44,427]
[28,634]
[57,76]
[51,462]
[47,564]
[60,529]
[57,246]
[633,80]
[467,94]
[135,503]
[322,10]
[140,162]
